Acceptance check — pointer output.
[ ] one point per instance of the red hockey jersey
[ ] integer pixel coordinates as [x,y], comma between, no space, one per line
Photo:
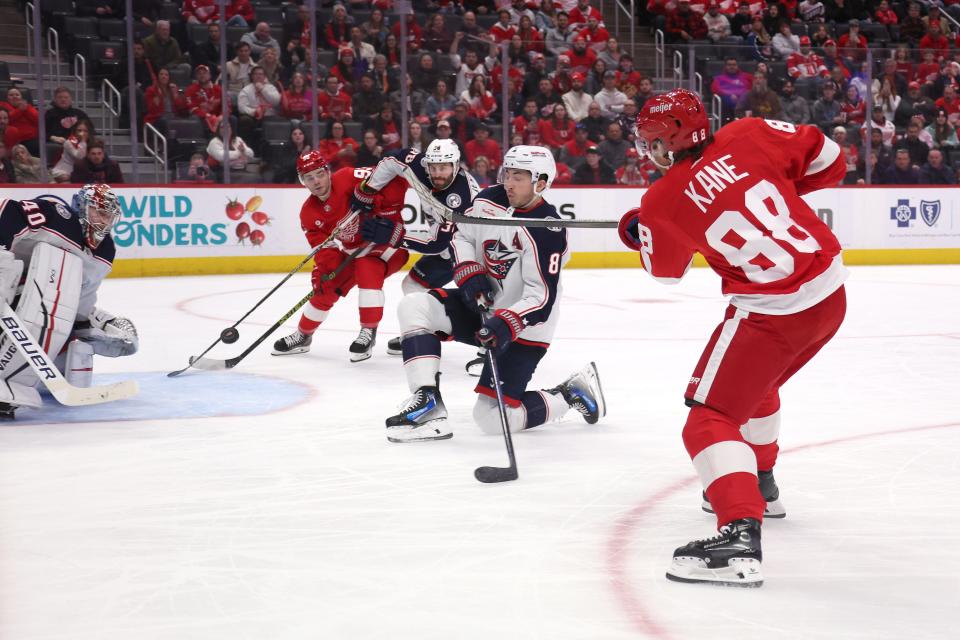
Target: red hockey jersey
[739,206]
[318,218]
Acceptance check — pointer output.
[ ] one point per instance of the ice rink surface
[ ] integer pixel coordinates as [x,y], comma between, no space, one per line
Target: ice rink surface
[266,503]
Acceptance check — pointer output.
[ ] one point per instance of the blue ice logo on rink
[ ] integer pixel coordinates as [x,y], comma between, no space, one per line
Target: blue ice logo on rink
[930,211]
[903,213]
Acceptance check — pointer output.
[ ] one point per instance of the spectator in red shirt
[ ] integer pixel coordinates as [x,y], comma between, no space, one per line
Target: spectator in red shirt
[162,98]
[528,120]
[884,14]
[334,104]
[239,13]
[24,121]
[297,100]
[929,70]
[414,33]
[628,78]
[574,151]
[557,130]
[581,57]
[583,12]
[200,11]
[480,101]
[483,145]
[853,44]
[337,33]
[339,150]
[503,31]
[595,35]
[935,41]
[684,25]
[631,173]
[950,104]
[204,99]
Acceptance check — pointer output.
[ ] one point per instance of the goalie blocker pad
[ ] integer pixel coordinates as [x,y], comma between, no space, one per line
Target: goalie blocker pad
[47,307]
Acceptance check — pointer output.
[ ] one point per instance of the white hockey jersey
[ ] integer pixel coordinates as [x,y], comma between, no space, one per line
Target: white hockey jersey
[524,263]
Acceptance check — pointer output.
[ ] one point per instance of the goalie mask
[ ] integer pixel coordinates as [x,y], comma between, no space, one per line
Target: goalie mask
[441,152]
[670,123]
[98,209]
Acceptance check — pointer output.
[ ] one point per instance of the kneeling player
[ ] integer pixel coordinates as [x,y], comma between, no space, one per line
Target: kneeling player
[68,252]
[327,205]
[514,274]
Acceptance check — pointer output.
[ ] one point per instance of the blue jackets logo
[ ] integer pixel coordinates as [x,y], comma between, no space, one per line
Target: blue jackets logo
[930,211]
[903,213]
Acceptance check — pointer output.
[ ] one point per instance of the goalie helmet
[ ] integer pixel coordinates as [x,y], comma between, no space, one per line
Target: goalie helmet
[537,160]
[676,119]
[442,151]
[310,161]
[105,211]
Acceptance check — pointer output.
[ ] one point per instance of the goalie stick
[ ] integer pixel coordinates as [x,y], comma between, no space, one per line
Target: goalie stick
[212,364]
[50,376]
[333,234]
[507,221]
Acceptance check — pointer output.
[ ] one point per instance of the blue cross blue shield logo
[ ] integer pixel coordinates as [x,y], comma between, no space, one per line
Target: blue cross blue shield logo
[930,211]
[903,213]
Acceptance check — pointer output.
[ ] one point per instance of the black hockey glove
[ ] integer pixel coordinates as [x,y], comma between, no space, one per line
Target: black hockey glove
[362,199]
[475,287]
[382,231]
[499,330]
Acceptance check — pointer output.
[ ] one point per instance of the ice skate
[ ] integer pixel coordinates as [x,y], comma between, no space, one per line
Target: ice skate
[7,411]
[423,417]
[296,342]
[583,392]
[394,347]
[730,559]
[475,367]
[770,492]
[362,347]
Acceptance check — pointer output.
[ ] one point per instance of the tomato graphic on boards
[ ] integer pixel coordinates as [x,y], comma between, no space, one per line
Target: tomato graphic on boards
[243,231]
[257,237]
[260,218]
[235,210]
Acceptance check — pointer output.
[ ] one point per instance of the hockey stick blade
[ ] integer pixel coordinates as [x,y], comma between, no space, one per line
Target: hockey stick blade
[64,392]
[490,475]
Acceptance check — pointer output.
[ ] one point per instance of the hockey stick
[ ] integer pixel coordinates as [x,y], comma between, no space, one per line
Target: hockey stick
[498,474]
[211,364]
[50,376]
[231,330]
[426,195]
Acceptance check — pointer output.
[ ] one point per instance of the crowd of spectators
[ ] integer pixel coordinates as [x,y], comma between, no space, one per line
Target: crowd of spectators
[570,86]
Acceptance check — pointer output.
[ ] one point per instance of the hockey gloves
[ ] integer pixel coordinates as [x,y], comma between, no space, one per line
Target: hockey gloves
[382,231]
[629,229]
[499,330]
[362,199]
[109,335]
[474,285]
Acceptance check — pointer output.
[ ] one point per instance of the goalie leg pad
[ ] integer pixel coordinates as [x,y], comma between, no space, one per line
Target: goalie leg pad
[47,307]
[78,368]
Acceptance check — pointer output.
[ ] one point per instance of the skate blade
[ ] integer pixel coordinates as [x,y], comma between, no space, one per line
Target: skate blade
[293,351]
[360,357]
[740,573]
[394,352]
[594,376]
[433,430]
[773,509]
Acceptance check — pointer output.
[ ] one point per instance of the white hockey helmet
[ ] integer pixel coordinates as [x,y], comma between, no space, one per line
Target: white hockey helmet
[443,151]
[99,223]
[537,160]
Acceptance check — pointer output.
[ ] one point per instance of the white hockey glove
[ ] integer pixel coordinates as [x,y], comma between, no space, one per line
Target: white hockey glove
[109,335]
[11,271]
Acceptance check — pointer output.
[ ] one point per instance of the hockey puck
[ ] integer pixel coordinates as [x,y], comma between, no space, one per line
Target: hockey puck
[230,335]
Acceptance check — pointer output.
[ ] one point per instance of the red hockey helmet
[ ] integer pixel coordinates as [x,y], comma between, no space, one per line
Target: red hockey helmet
[677,119]
[310,161]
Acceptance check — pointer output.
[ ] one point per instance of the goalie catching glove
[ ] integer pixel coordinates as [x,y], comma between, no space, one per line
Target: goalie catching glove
[109,335]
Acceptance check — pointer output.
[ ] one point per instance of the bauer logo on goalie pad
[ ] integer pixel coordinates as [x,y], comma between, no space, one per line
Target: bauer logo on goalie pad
[930,211]
[27,345]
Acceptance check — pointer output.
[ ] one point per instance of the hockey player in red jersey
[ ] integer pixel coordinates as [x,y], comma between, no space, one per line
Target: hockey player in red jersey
[327,206]
[735,199]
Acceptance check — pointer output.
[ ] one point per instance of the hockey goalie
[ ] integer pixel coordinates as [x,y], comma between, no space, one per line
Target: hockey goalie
[53,257]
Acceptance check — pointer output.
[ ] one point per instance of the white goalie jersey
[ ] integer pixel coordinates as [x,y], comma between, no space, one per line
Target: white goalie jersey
[524,263]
